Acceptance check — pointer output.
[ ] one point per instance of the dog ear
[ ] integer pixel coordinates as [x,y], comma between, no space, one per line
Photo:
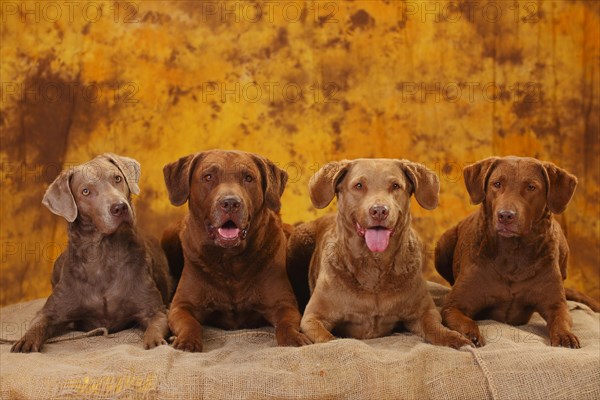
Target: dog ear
[129,167]
[425,182]
[273,181]
[178,176]
[323,185]
[59,198]
[476,176]
[560,187]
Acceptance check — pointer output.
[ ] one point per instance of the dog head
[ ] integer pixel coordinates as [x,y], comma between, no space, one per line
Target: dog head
[226,190]
[97,194]
[374,195]
[518,191]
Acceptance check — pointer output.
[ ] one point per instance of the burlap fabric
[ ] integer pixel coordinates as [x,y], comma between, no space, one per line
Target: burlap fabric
[517,363]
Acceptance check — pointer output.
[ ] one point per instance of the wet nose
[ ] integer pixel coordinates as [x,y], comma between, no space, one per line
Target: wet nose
[379,212]
[230,204]
[506,216]
[118,209]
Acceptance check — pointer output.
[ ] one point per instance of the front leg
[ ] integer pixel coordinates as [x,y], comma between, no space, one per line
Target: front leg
[286,320]
[280,308]
[318,320]
[186,328]
[316,328]
[42,328]
[560,324]
[455,319]
[34,338]
[157,328]
[48,321]
[429,326]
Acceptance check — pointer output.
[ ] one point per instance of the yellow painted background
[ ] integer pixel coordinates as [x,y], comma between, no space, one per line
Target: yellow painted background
[427,81]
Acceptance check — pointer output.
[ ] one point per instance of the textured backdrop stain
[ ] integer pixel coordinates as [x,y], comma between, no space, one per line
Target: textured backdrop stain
[301,83]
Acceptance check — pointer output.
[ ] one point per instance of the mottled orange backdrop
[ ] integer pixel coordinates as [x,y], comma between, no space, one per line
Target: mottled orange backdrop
[302,82]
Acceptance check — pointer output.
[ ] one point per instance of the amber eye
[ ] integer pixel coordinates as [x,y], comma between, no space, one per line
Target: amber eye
[85,191]
[395,186]
[531,187]
[248,178]
[497,185]
[358,186]
[118,178]
[208,177]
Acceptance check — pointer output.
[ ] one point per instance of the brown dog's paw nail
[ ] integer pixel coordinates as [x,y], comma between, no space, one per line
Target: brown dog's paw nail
[191,346]
[477,340]
[567,340]
[150,343]
[460,342]
[26,346]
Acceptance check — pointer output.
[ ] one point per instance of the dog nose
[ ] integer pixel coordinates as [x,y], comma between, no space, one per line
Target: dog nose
[118,209]
[379,212]
[506,216]
[230,204]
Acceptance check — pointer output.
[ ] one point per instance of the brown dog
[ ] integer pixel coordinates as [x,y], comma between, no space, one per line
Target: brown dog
[509,259]
[109,276]
[365,262]
[233,247]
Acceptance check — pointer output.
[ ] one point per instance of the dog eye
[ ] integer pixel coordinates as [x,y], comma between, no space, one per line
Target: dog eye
[118,178]
[395,186]
[208,177]
[358,186]
[531,187]
[497,185]
[248,178]
[85,191]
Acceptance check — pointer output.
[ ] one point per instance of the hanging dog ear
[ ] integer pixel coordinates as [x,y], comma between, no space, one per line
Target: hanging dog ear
[560,187]
[323,185]
[476,176]
[129,167]
[178,177]
[59,198]
[425,182]
[274,180]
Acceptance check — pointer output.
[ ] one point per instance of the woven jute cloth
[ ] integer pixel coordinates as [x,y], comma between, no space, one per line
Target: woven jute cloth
[516,363]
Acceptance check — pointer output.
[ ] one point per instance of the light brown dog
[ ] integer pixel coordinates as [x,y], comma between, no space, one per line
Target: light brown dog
[509,259]
[110,275]
[232,246]
[365,261]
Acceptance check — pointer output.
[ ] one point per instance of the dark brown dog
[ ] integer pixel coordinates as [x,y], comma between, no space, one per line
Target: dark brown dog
[365,261]
[509,259]
[233,247]
[108,276]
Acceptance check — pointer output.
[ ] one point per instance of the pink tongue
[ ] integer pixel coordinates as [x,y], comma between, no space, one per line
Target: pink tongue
[228,233]
[377,239]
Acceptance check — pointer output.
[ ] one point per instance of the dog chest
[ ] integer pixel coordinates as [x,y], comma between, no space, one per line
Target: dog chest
[370,314]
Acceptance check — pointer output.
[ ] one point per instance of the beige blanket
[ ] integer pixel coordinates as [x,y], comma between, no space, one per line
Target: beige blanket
[517,363]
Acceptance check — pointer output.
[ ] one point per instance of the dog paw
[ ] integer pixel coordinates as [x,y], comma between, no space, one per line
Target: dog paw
[565,339]
[294,338]
[322,337]
[456,340]
[474,335]
[187,344]
[151,342]
[27,344]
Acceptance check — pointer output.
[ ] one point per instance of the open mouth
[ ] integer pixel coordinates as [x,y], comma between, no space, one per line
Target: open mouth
[377,238]
[229,231]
